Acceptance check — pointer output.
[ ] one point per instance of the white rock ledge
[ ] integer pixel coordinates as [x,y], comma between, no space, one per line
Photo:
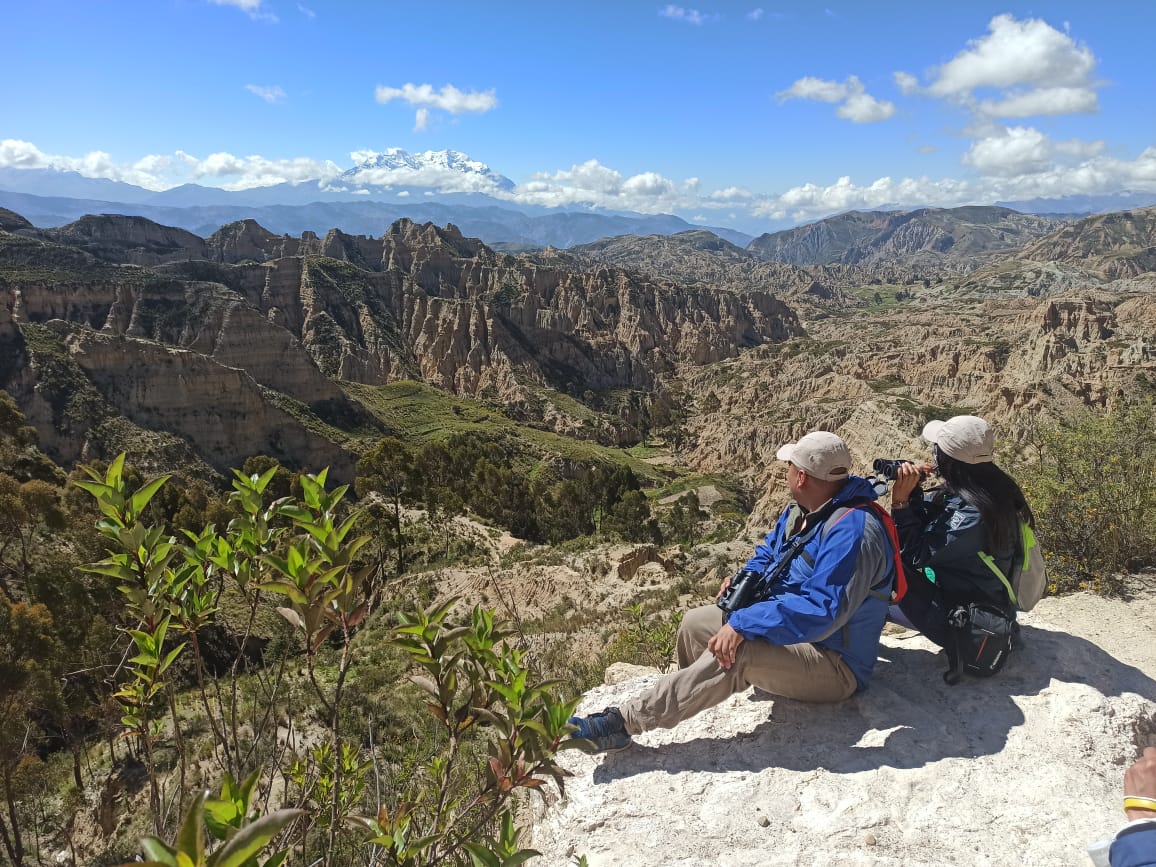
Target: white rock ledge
[1024,768]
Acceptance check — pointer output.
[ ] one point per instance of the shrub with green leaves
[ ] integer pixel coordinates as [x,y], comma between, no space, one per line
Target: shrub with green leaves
[496,728]
[648,639]
[1091,481]
[241,833]
[477,685]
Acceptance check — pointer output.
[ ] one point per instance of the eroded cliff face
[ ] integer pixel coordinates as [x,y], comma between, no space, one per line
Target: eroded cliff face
[876,379]
[221,411]
[262,315]
[426,302]
[205,318]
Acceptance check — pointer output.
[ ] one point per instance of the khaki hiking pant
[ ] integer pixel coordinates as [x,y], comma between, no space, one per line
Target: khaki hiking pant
[799,671]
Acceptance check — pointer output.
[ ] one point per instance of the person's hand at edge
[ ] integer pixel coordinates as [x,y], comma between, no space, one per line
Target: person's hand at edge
[1140,782]
[724,644]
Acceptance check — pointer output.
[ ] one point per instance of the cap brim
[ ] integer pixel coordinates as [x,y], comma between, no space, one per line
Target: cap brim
[931,431]
[785,452]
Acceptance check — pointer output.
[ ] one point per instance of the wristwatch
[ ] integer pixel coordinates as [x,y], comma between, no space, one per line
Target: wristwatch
[902,504]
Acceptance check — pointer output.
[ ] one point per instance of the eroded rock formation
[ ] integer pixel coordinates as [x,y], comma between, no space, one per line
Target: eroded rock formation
[298,316]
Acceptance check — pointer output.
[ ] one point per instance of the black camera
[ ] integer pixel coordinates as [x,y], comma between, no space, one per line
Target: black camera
[889,468]
[741,592]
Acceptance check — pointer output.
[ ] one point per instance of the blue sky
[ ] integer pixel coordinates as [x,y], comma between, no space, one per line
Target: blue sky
[776,110]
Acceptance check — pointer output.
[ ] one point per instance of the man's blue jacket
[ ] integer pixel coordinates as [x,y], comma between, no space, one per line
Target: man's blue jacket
[827,601]
[1135,846]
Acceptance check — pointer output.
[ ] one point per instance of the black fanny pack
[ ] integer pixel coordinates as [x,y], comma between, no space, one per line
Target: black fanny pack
[979,640]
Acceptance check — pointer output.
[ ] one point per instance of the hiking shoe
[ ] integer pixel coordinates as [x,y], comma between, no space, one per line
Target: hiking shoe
[606,730]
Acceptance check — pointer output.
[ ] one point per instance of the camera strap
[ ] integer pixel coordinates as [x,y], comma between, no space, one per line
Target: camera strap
[799,541]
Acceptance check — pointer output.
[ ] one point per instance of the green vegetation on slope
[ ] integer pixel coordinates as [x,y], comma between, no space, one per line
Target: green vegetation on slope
[420,413]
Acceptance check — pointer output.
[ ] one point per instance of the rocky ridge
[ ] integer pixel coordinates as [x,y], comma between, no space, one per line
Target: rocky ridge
[299,316]
[935,240]
[876,363]
[701,257]
[877,380]
[1116,251]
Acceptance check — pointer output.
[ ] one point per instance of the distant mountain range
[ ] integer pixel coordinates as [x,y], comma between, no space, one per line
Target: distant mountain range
[1082,206]
[444,186]
[935,239]
[499,227]
[364,200]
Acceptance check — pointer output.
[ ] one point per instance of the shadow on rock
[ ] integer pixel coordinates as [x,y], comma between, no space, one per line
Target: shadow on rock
[908,717]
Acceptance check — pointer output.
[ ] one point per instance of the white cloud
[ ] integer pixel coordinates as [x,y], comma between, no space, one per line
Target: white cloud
[1039,177]
[1035,68]
[306,11]
[730,194]
[926,149]
[690,16]
[1079,149]
[810,201]
[271,93]
[1043,101]
[592,183]
[448,99]
[160,171]
[243,173]
[18,154]
[590,176]
[906,82]
[856,104]
[814,88]
[648,184]
[153,164]
[756,14]
[145,172]
[864,108]
[252,8]
[441,179]
[1009,163]
[1020,151]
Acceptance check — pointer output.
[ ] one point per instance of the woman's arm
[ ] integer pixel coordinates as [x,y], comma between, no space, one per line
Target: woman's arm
[951,535]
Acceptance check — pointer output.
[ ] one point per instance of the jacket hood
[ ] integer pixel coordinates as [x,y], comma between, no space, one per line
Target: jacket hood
[856,488]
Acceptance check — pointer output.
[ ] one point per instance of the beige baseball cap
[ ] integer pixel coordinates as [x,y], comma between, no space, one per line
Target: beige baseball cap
[967,438]
[820,454]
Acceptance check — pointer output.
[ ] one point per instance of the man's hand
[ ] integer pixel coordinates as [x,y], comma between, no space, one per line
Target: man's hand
[1139,780]
[724,644]
[723,589]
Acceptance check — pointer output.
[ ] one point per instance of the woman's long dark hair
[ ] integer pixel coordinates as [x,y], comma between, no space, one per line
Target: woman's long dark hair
[993,492]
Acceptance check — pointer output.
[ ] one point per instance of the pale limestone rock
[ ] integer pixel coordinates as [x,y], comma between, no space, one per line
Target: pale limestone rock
[1024,768]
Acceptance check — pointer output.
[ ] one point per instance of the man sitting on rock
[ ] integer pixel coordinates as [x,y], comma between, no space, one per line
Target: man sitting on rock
[813,637]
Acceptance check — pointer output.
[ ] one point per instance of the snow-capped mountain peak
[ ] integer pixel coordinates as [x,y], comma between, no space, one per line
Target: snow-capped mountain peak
[445,169]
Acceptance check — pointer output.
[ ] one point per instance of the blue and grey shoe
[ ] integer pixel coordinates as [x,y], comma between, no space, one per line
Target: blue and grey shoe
[605,730]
